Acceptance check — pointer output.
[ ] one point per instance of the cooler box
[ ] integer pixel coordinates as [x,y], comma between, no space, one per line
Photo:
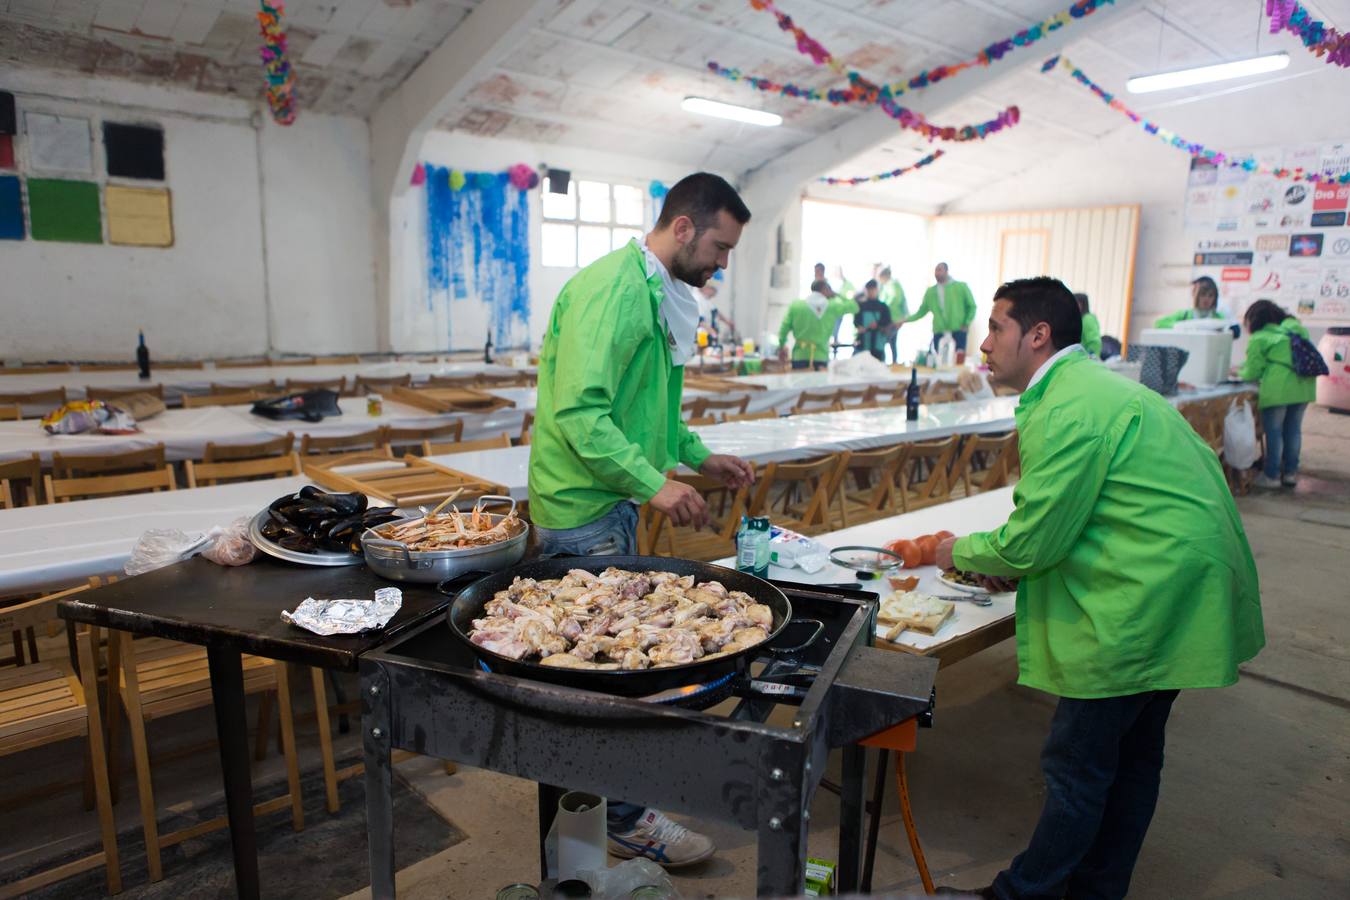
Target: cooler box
[1209,343]
[1334,390]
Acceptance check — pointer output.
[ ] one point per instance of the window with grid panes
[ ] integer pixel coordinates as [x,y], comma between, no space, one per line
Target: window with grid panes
[590,220]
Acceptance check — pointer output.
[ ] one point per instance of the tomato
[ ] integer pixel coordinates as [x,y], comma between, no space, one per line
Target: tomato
[909,552]
[943,535]
[928,545]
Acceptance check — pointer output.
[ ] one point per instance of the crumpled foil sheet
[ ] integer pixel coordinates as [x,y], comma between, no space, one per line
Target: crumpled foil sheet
[327,617]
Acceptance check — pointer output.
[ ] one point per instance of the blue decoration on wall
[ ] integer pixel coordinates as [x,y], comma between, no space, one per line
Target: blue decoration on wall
[11,209]
[478,245]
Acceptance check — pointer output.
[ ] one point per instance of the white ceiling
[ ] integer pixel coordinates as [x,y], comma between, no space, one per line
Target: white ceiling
[610,74]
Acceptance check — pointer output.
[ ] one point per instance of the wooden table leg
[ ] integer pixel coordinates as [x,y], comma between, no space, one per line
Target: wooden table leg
[227,689]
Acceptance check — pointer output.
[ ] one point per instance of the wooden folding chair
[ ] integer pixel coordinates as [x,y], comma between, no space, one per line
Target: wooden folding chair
[500,442]
[527,428]
[932,391]
[925,476]
[205,474]
[697,421]
[106,394]
[280,446]
[856,398]
[36,369]
[376,439]
[299,385]
[719,410]
[19,479]
[751,417]
[995,452]
[339,359]
[11,413]
[876,474]
[45,702]
[798,495]
[403,441]
[452,381]
[691,407]
[715,541]
[46,401]
[254,362]
[268,388]
[817,401]
[291,361]
[115,474]
[238,398]
[365,385]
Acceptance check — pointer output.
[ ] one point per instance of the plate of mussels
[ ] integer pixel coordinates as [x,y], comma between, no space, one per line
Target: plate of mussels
[316,528]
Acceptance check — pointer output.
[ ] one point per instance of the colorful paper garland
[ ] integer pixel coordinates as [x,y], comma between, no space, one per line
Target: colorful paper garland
[862,90]
[882,176]
[521,176]
[992,53]
[1199,151]
[280,78]
[1317,37]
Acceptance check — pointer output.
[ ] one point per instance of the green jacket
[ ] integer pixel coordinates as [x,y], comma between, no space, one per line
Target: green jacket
[893,295]
[1270,360]
[1092,334]
[1182,315]
[811,333]
[955,313]
[607,424]
[1136,574]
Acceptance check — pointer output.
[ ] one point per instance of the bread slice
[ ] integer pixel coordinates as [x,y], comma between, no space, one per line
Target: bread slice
[913,611]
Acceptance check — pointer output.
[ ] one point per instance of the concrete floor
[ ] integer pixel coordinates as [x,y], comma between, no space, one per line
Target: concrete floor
[1255,801]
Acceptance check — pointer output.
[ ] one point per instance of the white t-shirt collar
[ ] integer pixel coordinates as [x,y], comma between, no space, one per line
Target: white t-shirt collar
[1045,366]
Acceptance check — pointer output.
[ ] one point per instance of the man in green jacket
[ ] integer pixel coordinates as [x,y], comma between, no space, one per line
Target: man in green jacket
[812,323]
[1135,582]
[951,305]
[893,295]
[608,427]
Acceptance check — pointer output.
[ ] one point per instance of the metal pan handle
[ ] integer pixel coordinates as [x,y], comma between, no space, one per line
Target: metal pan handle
[479,502]
[815,635]
[385,544]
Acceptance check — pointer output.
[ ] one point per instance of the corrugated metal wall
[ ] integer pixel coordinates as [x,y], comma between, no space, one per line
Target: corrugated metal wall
[1090,250]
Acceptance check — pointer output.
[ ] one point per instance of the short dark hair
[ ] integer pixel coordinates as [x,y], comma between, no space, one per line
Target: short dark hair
[819,266]
[871,283]
[942,265]
[819,286]
[886,271]
[1263,313]
[1044,299]
[701,197]
[1206,285]
[1083,306]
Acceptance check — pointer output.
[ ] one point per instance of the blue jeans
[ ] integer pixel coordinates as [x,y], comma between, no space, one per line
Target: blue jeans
[613,534]
[1103,763]
[1284,438]
[807,364]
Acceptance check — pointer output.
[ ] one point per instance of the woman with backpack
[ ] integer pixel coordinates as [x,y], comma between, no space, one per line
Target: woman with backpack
[1277,357]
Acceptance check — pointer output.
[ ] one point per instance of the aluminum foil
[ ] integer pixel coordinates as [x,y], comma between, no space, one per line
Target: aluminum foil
[327,617]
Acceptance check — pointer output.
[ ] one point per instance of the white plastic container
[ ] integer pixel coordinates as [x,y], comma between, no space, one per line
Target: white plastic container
[1209,343]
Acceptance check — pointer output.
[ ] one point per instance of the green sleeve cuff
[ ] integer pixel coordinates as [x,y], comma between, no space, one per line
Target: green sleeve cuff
[651,481]
[695,453]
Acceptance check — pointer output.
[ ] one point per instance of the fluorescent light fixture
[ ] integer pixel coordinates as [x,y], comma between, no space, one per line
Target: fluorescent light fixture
[730,111]
[1256,65]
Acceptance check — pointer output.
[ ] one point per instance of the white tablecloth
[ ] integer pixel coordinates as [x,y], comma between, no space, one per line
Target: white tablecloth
[61,544]
[983,512]
[508,467]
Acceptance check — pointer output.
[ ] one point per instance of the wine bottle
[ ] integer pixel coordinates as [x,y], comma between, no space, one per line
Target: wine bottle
[143,357]
[912,396]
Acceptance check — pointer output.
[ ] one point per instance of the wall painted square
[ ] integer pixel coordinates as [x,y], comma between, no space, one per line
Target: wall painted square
[59,143]
[11,208]
[63,210]
[134,151]
[139,217]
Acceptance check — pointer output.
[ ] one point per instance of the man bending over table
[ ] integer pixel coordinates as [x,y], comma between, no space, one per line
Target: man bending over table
[1136,582]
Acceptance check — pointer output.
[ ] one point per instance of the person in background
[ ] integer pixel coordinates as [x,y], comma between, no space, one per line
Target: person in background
[1136,582]
[893,295]
[951,305]
[709,316]
[1204,304]
[1285,394]
[848,292]
[872,322]
[1092,329]
[811,322]
[611,374]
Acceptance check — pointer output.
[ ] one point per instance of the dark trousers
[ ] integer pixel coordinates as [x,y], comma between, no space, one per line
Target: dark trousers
[958,338]
[807,364]
[1103,763]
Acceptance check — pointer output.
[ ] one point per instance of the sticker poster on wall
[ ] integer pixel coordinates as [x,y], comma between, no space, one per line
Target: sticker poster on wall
[1263,238]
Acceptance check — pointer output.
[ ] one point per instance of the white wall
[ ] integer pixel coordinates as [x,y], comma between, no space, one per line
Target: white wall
[207,295]
[417,324]
[1129,166]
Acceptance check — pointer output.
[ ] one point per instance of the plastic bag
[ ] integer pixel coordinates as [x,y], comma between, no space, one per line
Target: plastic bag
[81,416]
[230,546]
[1239,436]
[620,881]
[789,549]
[974,385]
[160,547]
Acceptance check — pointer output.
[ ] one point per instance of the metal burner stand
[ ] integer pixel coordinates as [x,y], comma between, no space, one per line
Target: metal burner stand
[421,694]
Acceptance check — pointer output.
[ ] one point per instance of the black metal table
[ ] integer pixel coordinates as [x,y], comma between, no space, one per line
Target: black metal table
[232,611]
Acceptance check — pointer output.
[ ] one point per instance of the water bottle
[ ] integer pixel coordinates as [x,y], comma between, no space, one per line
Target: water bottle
[752,546]
[912,397]
[143,357]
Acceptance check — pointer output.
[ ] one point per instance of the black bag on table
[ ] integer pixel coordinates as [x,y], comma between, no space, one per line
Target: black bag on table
[312,406]
[1159,366]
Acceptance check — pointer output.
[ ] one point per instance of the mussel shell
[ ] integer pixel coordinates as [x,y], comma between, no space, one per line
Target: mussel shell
[305,512]
[338,538]
[343,504]
[271,529]
[297,542]
[379,516]
[276,505]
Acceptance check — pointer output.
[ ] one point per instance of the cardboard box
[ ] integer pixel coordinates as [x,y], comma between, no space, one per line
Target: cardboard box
[819,877]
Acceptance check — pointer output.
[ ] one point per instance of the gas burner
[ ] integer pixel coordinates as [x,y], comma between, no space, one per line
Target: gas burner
[691,696]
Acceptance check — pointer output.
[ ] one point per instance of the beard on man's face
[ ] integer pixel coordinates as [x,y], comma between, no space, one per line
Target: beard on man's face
[685,265]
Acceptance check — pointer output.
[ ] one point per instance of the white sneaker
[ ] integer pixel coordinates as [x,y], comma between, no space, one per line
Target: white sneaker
[662,840]
[1264,481]
[1289,480]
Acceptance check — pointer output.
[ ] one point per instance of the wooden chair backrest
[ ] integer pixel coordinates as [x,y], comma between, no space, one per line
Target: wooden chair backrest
[204,474]
[181,364]
[239,398]
[11,413]
[751,417]
[68,466]
[101,393]
[256,362]
[364,385]
[411,440]
[452,380]
[697,421]
[63,490]
[297,385]
[53,398]
[291,361]
[817,401]
[730,406]
[280,446]
[38,612]
[35,369]
[375,439]
[884,465]
[339,359]
[500,442]
[996,474]
[855,397]
[821,476]
[939,392]
[658,523]
[937,486]
[261,387]
[527,428]
[28,470]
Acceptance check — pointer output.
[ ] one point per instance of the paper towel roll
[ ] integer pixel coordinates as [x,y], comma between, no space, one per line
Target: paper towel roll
[579,831]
